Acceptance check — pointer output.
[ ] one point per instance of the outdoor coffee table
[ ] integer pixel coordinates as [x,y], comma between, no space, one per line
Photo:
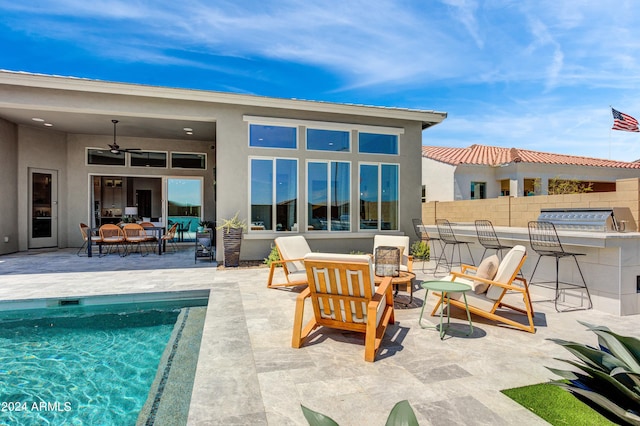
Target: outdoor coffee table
[445,287]
[405,278]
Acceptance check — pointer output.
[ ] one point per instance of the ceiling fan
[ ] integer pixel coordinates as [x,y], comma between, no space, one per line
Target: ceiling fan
[115,148]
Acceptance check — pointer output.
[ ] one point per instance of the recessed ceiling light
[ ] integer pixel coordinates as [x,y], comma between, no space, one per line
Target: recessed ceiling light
[188,129]
[48,124]
[39,120]
[189,133]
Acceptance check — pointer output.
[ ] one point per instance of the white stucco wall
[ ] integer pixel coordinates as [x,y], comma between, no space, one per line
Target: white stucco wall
[438,179]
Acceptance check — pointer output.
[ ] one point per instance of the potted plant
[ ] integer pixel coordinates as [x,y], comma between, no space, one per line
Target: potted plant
[232,238]
[204,224]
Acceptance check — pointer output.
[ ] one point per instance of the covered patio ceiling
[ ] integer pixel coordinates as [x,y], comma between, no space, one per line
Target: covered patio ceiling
[100,124]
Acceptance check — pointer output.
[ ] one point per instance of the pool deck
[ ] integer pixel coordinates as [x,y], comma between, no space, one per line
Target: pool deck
[248,374]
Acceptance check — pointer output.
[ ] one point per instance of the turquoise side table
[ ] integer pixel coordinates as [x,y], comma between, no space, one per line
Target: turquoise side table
[444,287]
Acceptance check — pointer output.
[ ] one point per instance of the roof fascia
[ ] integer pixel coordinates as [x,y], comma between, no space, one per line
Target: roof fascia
[427,118]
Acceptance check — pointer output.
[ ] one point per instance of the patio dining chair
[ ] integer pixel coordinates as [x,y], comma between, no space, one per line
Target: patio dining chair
[150,233]
[343,296]
[488,238]
[448,238]
[544,240]
[135,235]
[112,235]
[84,230]
[170,237]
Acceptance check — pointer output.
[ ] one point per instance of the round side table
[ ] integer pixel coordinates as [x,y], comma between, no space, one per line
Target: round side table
[445,287]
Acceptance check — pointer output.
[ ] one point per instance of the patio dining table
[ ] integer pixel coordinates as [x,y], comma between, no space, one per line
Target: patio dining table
[157,230]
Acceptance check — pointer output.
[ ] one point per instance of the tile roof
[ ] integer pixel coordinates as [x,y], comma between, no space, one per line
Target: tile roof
[494,156]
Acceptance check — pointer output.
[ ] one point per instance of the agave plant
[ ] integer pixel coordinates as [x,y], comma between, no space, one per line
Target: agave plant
[609,380]
[401,415]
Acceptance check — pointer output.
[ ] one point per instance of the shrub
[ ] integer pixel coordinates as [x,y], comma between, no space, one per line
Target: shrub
[609,380]
[420,250]
[274,256]
[401,415]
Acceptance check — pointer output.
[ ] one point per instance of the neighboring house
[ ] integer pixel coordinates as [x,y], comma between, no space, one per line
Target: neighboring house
[336,173]
[481,171]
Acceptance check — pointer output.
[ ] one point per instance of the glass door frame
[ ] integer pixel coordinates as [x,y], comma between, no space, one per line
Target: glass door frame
[43,211]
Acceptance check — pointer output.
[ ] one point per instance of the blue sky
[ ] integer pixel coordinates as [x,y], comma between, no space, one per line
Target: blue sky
[536,74]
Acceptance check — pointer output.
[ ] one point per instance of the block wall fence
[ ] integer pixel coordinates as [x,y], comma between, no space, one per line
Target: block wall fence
[518,211]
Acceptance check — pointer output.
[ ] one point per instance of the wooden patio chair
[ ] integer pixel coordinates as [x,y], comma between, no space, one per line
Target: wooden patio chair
[343,295]
[489,304]
[292,251]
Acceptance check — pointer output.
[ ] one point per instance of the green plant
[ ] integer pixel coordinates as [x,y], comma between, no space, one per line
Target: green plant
[205,224]
[401,415]
[233,223]
[420,250]
[274,256]
[610,378]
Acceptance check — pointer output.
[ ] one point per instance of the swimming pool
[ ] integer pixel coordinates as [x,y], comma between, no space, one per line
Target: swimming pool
[90,365]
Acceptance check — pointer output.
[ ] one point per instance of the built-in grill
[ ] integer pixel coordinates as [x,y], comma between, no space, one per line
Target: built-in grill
[589,219]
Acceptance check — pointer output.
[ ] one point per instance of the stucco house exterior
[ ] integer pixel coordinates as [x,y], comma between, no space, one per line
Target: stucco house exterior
[85,151]
[481,171]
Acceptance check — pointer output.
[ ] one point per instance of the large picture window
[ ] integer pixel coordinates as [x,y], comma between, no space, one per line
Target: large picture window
[274,194]
[328,193]
[261,136]
[375,143]
[379,196]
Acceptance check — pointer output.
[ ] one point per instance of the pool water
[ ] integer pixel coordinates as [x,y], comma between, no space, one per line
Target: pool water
[89,369]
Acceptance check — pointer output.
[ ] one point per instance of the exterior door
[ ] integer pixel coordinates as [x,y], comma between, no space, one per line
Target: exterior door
[43,208]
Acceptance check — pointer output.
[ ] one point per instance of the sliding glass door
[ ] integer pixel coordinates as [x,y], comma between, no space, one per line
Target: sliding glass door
[184,205]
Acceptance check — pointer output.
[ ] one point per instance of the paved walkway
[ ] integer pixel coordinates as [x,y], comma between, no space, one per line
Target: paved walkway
[248,374]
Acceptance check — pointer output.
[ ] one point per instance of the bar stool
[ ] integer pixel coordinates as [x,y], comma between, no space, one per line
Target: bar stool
[544,240]
[488,238]
[423,235]
[448,238]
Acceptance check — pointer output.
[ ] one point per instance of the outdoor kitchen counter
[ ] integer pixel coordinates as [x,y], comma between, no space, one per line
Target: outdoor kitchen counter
[518,235]
[611,264]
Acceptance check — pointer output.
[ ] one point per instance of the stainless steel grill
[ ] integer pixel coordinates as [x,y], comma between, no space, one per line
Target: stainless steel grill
[589,219]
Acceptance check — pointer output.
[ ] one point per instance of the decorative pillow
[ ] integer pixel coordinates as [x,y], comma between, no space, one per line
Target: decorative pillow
[487,270]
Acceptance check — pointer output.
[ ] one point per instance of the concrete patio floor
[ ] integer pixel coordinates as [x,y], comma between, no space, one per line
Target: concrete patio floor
[248,374]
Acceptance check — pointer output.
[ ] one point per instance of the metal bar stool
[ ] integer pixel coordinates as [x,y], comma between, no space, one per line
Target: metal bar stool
[423,235]
[544,241]
[488,238]
[448,238]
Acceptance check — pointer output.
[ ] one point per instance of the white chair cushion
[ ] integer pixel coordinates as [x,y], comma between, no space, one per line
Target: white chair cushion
[293,247]
[506,270]
[400,241]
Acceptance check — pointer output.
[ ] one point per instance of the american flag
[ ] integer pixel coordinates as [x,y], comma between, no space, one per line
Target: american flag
[624,122]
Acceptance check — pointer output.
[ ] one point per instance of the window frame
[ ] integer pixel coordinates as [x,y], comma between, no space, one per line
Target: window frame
[274,204]
[204,154]
[88,164]
[329,129]
[328,163]
[296,129]
[384,132]
[167,159]
[379,196]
